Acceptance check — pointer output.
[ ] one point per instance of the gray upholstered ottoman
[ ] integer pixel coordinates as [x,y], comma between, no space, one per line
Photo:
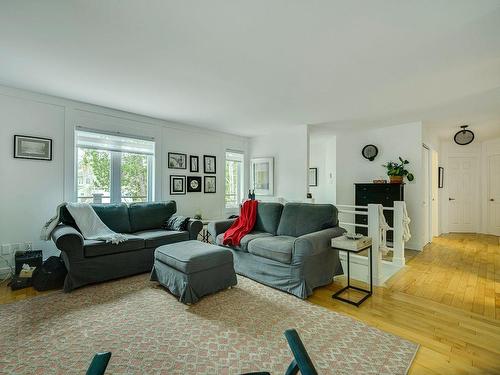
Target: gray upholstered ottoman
[193,269]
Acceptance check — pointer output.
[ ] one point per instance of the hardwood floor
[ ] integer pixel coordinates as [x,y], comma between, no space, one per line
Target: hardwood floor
[447,299]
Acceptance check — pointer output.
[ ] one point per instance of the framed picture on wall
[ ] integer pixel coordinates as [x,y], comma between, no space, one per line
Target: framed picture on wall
[440,177]
[194,163]
[313,176]
[210,184]
[35,148]
[177,185]
[177,160]
[262,176]
[209,163]
[193,184]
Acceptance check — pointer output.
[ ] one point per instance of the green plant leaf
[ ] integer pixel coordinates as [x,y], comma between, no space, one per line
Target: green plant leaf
[410,177]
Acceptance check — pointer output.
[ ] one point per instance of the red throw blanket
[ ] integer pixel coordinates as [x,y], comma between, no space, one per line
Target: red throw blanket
[243,224]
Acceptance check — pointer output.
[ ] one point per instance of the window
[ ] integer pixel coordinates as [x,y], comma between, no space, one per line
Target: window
[234,180]
[113,168]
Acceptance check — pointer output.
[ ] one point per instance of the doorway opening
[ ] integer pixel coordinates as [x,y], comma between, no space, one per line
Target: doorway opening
[430,202]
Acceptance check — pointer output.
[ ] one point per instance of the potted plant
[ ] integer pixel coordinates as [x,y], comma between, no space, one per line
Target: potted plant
[397,171]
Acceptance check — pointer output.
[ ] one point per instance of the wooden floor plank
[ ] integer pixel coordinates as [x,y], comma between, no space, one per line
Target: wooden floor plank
[447,299]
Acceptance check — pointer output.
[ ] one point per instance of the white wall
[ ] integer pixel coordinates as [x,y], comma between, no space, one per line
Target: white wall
[290,151]
[30,190]
[323,155]
[394,141]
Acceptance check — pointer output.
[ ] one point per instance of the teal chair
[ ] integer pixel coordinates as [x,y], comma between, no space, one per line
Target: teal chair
[301,362]
[99,364]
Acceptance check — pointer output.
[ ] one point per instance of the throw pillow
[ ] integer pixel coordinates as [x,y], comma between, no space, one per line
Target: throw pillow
[176,222]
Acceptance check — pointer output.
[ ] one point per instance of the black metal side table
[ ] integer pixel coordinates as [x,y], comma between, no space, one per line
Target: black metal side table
[351,246]
[204,233]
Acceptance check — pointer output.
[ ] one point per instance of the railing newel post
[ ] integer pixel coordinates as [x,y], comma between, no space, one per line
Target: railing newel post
[374,233]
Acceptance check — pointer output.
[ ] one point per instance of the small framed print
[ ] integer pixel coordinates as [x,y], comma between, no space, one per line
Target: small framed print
[177,185]
[194,163]
[209,164]
[209,184]
[194,184]
[262,175]
[177,160]
[313,176]
[35,148]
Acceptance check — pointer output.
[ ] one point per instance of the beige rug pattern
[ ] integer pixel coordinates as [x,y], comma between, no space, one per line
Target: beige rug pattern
[150,332]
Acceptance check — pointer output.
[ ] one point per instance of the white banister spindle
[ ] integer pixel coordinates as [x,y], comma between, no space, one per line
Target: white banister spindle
[398,257]
[374,233]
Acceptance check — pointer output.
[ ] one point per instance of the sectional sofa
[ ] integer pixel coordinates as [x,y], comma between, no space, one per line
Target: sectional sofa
[289,247]
[89,261]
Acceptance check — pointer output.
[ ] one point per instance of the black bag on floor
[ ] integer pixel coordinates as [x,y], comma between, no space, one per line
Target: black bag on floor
[50,275]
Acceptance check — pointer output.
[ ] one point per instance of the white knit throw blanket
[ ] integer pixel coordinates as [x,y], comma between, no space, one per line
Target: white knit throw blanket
[91,225]
[50,225]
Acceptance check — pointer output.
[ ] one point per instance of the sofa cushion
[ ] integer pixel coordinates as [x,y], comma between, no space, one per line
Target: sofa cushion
[298,219]
[115,216]
[93,248]
[193,256]
[268,217]
[66,218]
[244,241]
[159,237]
[144,216]
[278,248]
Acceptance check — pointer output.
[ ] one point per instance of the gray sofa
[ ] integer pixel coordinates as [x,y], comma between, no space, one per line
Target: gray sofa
[89,261]
[289,247]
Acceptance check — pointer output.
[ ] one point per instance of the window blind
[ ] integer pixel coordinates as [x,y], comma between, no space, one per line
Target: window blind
[114,142]
[234,156]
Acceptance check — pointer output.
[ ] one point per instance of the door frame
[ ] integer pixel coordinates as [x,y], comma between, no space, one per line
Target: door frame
[488,194]
[427,169]
[434,194]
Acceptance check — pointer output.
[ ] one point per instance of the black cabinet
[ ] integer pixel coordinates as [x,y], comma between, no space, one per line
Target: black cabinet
[384,194]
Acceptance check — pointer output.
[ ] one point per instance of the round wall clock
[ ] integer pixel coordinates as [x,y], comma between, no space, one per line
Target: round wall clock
[370,152]
[464,136]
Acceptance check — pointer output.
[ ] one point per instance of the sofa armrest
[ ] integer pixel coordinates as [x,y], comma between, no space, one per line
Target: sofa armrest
[220,226]
[194,227]
[68,239]
[315,243]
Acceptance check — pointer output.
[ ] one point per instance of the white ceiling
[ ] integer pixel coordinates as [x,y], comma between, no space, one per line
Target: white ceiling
[246,67]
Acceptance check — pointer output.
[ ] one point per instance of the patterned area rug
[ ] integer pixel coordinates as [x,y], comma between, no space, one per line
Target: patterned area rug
[150,332]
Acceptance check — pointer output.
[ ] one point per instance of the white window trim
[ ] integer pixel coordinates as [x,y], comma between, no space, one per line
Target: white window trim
[231,210]
[115,178]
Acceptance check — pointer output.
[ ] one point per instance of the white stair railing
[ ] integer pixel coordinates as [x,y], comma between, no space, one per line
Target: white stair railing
[398,243]
[382,269]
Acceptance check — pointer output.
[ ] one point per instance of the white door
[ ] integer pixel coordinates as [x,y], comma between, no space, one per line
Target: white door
[426,193]
[462,194]
[494,194]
